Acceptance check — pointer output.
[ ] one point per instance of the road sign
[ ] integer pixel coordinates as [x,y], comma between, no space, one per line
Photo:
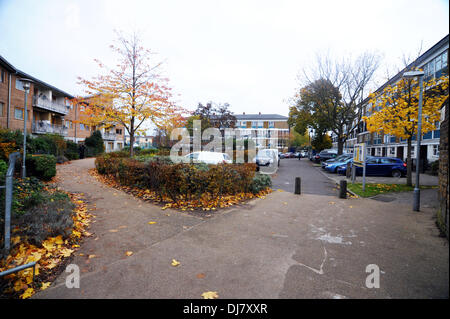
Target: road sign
[359,159]
[359,154]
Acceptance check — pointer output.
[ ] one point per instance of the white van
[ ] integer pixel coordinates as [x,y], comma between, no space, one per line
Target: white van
[208,158]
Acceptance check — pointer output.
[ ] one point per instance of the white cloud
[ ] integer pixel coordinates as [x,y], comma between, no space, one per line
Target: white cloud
[246,53]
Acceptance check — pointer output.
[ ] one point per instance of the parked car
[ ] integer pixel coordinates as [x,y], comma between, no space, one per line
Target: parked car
[304,154]
[379,166]
[336,159]
[266,157]
[324,155]
[208,158]
[334,164]
[297,155]
[288,155]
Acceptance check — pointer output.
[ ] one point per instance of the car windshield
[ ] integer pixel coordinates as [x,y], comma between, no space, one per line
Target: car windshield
[265,153]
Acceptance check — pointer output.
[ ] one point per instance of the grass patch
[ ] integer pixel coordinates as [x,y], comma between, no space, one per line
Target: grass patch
[375,189]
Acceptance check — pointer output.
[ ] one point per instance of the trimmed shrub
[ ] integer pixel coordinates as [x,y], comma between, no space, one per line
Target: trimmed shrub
[41,166]
[181,180]
[260,182]
[94,144]
[71,151]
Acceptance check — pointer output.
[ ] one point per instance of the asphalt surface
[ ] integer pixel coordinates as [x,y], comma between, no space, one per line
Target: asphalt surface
[282,246]
[312,180]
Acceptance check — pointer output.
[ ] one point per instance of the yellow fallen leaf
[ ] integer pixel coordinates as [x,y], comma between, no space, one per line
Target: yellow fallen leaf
[113,230]
[27,294]
[129,253]
[210,295]
[66,252]
[175,263]
[152,223]
[15,240]
[92,256]
[45,285]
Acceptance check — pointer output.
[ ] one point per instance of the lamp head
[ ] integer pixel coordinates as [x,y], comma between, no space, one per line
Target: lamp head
[26,83]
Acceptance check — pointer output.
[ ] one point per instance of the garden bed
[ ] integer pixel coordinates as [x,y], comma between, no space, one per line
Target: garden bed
[183,186]
[47,228]
[376,189]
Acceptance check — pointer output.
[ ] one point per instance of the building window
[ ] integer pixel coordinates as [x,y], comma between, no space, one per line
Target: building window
[119,131]
[271,124]
[392,151]
[436,150]
[18,113]
[2,76]
[1,108]
[19,85]
[81,126]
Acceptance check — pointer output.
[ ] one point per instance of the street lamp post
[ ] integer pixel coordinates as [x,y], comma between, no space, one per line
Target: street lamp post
[419,74]
[26,86]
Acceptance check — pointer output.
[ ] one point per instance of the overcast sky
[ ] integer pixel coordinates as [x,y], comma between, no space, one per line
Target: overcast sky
[245,53]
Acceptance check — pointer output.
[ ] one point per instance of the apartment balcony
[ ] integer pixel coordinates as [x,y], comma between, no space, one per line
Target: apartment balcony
[42,127]
[49,105]
[107,136]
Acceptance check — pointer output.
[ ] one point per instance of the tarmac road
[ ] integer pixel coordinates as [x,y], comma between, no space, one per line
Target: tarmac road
[312,181]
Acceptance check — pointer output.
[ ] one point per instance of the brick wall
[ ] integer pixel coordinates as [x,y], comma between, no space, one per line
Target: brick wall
[443,212]
[17,101]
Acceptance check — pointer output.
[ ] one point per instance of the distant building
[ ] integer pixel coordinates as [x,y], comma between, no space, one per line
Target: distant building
[140,141]
[267,130]
[48,110]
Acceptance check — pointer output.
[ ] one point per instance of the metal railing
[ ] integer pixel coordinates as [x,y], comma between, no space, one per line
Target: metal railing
[8,203]
[8,198]
[50,105]
[42,127]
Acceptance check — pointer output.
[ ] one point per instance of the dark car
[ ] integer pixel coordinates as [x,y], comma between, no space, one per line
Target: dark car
[324,156]
[380,166]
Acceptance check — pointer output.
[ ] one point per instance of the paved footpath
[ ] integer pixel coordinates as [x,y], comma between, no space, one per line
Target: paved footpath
[283,246]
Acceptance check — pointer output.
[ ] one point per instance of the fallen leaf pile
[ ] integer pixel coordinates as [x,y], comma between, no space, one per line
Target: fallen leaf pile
[48,256]
[205,202]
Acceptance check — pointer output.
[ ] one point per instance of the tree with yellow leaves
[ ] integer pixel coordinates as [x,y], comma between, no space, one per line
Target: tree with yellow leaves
[129,94]
[394,110]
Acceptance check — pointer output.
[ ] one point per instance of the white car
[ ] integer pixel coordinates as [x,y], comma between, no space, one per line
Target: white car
[208,158]
[266,157]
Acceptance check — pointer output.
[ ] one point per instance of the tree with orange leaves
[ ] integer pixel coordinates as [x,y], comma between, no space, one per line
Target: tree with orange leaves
[129,94]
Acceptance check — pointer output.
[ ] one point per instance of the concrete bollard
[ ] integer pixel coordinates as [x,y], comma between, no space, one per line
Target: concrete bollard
[298,187]
[343,189]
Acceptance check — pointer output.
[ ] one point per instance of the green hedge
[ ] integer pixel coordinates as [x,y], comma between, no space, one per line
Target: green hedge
[41,166]
[181,180]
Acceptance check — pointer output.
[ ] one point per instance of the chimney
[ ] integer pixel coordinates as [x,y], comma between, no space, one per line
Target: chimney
[259,113]
[243,113]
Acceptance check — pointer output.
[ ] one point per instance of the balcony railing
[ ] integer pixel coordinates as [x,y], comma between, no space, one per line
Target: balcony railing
[50,105]
[109,136]
[42,127]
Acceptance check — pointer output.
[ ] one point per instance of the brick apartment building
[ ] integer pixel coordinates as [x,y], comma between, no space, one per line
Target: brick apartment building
[268,130]
[48,110]
[434,62]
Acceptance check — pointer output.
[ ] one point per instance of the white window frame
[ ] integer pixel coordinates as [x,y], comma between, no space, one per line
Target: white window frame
[23,113]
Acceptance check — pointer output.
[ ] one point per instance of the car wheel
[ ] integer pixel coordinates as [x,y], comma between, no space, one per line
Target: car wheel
[396,173]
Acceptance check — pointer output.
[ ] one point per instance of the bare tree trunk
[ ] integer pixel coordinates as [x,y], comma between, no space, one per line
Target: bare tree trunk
[409,163]
[340,146]
[131,144]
